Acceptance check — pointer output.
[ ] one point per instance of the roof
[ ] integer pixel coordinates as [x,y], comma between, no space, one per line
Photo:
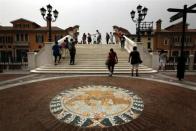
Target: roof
[22,19]
[53,28]
[76,26]
[172,26]
[72,28]
[123,30]
[6,28]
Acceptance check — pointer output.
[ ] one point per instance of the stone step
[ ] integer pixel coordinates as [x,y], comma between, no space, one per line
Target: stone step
[90,59]
[89,67]
[92,67]
[89,72]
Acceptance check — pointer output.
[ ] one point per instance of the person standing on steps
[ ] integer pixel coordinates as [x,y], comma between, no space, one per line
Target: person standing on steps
[56,52]
[72,51]
[111,61]
[135,59]
[122,40]
[107,38]
[89,39]
[111,38]
[84,38]
[98,37]
[64,47]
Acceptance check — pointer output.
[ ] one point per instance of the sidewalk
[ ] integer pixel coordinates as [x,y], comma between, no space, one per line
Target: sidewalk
[26,106]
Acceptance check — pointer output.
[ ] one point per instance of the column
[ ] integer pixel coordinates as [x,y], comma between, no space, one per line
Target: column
[191,62]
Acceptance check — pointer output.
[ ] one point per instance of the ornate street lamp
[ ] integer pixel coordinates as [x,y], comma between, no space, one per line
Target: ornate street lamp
[141,15]
[48,18]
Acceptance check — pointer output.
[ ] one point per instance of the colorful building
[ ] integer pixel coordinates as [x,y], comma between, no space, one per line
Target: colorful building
[24,36]
[169,39]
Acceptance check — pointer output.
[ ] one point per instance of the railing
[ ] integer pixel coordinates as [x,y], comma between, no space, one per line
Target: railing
[149,59]
[13,63]
[171,63]
[129,44]
[186,44]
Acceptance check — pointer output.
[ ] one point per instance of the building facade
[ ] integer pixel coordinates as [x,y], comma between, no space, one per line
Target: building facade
[24,36]
[169,39]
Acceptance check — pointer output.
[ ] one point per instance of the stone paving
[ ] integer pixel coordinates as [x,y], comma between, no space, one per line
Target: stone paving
[168,103]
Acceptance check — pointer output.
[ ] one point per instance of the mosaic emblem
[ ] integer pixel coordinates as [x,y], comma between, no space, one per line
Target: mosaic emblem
[96,106]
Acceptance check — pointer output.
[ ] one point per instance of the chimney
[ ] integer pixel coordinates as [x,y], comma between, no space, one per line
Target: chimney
[158,25]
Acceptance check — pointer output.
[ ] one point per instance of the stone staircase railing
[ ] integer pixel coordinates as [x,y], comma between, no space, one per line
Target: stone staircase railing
[43,57]
[149,59]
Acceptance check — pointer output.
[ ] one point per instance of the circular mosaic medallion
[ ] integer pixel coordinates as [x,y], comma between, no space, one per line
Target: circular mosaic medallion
[96,106]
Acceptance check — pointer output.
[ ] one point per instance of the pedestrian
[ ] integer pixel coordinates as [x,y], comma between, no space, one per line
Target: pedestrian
[112,59]
[122,41]
[64,47]
[98,37]
[56,52]
[60,54]
[111,38]
[162,60]
[107,37]
[72,51]
[135,59]
[89,39]
[84,38]
[94,39]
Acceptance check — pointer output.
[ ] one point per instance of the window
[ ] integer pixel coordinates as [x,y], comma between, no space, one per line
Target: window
[175,53]
[149,45]
[26,37]
[1,39]
[6,39]
[186,53]
[166,42]
[177,39]
[39,38]
[21,37]
[17,37]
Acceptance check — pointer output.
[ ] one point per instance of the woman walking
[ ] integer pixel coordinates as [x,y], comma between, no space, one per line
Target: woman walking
[135,59]
[111,61]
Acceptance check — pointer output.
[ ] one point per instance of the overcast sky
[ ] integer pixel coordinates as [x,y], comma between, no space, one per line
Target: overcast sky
[93,14]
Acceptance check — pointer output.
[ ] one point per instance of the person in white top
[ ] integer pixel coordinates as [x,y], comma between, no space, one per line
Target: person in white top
[111,38]
[162,60]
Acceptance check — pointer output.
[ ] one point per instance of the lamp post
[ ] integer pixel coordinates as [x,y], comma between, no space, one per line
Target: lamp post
[141,15]
[48,18]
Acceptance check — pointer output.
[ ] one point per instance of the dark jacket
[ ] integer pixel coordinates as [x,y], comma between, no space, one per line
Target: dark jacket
[112,58]
[135,57]
[56,50]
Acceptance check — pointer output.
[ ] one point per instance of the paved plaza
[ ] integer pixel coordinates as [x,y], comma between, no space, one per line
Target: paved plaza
[54,102]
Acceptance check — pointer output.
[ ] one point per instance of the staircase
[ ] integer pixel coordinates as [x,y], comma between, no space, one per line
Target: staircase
[90,59]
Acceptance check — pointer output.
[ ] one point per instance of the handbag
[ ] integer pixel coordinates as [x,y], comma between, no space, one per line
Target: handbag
[107,62]
[116,61]
[140,61]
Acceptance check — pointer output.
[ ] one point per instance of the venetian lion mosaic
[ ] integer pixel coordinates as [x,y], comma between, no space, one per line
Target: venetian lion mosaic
[96,106]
